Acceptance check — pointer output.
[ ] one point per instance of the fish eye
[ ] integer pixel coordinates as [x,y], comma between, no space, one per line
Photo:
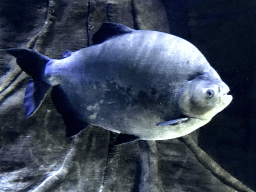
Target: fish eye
[210,93]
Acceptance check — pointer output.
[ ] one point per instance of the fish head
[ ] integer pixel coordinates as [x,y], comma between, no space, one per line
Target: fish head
[203,98]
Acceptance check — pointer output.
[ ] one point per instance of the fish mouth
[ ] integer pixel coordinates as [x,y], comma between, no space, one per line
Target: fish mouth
[225,97]
[224,89]
[226,94]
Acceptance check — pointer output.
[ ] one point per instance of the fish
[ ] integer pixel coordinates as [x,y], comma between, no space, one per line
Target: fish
[147,84]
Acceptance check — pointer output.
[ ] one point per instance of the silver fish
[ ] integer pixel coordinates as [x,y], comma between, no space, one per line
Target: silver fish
[149,84]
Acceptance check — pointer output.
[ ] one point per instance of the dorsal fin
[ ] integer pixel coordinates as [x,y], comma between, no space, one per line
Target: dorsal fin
[110,30]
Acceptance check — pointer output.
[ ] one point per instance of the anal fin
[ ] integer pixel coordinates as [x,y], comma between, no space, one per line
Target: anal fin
[73,124]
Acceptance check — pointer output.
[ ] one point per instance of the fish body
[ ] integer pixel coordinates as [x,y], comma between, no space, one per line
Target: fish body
[148,84]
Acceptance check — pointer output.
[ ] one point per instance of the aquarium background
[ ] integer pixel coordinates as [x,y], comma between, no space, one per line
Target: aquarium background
[33,149]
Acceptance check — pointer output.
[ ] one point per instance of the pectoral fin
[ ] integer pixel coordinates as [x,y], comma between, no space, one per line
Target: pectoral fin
[171,122]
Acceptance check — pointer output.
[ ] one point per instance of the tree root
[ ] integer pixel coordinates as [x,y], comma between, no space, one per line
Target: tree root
[17,71]
[213,167]
[59,176]
[47,30]
[13,85]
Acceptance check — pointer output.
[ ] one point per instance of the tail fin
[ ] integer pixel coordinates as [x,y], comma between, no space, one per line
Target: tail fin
[33,64]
